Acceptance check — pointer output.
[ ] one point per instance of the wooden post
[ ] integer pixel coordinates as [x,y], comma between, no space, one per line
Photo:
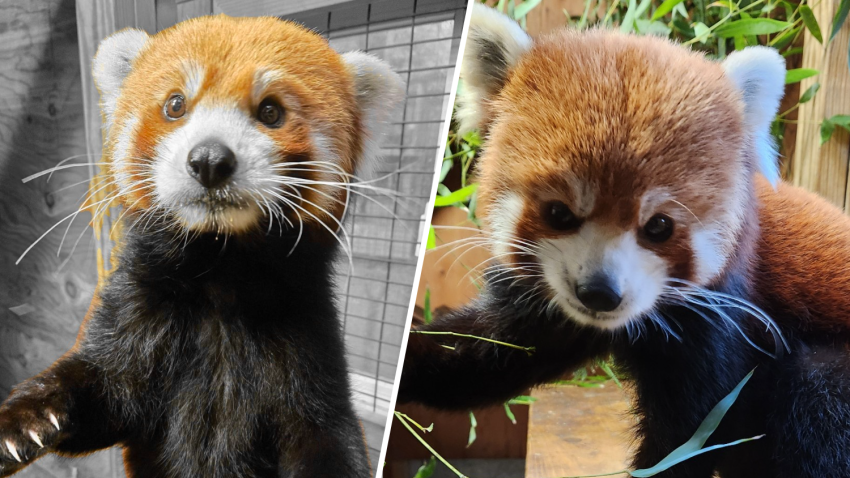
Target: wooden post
[824,168]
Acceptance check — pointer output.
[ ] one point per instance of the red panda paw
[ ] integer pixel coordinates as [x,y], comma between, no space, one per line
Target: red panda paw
[27,432]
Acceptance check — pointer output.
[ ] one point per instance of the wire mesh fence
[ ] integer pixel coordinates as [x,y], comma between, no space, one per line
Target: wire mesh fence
[420,40]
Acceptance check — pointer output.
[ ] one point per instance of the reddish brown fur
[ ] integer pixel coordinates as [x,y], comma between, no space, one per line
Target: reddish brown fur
[803,258]
[620,117]
[231,50]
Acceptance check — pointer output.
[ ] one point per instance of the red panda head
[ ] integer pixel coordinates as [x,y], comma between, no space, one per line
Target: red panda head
[217,123]
[615,165]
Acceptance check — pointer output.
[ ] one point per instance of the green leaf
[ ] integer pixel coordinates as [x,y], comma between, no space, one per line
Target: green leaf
[472,139]
[799,74]
[809,93]
[522,10]
[610,373]
[811,22]
[427,312]
[792,51]
[840,17]
[665,8]
[427,469]
[785,39]
[522,400]
[628,23]
[473,423]
[740,43]
[432,239]
[751,26]
[694,446]
[444,170]
[826,130]
[648,27]
[828,126]
[458,196]
[510,414]
[701,32]
[470,208]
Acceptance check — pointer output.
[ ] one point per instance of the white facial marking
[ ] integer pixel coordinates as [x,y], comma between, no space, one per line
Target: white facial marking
[507,211]
[263,78]
[708,253]
[122,164]
[638,273]
[235,208]
[585,194]
[193,77]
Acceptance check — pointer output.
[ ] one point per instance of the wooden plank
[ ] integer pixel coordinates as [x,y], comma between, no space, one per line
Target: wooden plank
[145,12]
[42,121]
[193,8]
[577,431]
[824,169]
[549,15]
[166,14]
[125,12]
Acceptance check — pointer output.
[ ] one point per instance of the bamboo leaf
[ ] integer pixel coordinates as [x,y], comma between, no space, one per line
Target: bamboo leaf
[522,400]
[427,469]
[628,23]
[509,413]
[828,126]
[809,93]
[840,17]
[811,22]
[473,423]
[652,471]
[701,32]
[444,170]
[432,239]
[752,26]
[694,446]
[522,10]
[792,51]
[798,74]
[458,196]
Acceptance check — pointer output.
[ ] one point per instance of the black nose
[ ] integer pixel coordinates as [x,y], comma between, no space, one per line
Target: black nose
[211,163]
[598,294]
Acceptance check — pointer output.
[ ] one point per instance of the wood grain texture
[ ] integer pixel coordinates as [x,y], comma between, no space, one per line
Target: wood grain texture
[824,168]
[497,436]
[41,123]
[577,431]
[446,271]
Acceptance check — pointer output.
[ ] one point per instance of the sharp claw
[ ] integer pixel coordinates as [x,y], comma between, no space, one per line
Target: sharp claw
[36,439]
[13,451]
[54,421]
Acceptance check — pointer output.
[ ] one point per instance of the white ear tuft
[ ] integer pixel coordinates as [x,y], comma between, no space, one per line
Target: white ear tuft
[112,64]
[379,92]
[493,45]
[759,74]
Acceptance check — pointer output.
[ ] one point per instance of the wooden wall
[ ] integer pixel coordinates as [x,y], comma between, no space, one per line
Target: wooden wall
[42,123]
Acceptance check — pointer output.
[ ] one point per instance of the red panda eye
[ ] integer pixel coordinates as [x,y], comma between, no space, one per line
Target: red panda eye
[270,113]
[659,228]
[559,217]
[175,107]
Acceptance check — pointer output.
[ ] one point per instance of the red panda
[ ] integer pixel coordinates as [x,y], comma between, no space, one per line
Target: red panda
[214,348]
[630,193]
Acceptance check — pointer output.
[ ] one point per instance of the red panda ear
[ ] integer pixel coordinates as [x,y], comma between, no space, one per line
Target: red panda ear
[112,64]
[759,74]
[493,45]
[379,92]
